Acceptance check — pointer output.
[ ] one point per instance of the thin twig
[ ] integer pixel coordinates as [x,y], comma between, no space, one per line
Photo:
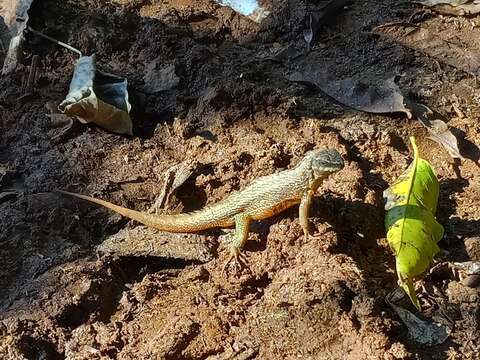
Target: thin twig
[71,48]
[395,23]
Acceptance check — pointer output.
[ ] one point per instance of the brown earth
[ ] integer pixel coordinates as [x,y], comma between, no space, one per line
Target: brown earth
[235,115]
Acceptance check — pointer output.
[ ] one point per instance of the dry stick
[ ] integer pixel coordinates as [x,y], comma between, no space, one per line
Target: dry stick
[71,48]
[31,76]
[396,23]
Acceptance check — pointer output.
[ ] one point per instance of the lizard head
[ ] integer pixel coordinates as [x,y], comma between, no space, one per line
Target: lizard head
[325,162]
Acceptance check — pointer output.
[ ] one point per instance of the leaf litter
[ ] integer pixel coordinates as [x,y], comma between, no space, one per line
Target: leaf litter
[174,178]
[98,97]
[453,7]
[382,97]
[437,128]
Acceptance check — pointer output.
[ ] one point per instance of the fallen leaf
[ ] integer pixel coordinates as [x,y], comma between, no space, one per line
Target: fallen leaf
[98,97]
[308,34]
[453,7]
[175,177]
[412,230]
[384,97]
[423,332]
[438,129]
[440,2]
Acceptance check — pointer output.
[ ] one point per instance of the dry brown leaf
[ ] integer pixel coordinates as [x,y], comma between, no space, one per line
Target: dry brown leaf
[384,97]
[98,97]
[175,177]
[453,7]
[437,128]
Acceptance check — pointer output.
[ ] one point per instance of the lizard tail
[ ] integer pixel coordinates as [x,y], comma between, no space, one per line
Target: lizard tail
[169,223]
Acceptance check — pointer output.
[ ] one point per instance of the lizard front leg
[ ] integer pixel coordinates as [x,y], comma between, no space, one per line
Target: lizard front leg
[242,225]
[303,211]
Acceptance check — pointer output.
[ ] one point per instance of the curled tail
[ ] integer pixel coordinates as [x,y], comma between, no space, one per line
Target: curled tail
[191,222]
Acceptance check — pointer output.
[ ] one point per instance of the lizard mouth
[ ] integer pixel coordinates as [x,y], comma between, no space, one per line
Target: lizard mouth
[334,169]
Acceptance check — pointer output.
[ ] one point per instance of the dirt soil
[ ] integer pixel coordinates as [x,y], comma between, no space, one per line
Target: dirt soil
[232,116]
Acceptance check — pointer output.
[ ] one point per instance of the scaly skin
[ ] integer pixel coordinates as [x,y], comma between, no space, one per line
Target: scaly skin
[263,198]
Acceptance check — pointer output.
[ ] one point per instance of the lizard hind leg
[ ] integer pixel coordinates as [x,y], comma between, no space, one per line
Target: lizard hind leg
[242,225]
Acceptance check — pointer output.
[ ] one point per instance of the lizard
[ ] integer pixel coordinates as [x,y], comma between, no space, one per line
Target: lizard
[264,197]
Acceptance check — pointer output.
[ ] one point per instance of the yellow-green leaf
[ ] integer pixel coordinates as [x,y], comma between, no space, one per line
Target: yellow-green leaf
[412,230]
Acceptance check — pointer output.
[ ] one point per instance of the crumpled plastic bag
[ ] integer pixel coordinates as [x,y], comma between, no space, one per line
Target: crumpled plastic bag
[14,16]
[97,97]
